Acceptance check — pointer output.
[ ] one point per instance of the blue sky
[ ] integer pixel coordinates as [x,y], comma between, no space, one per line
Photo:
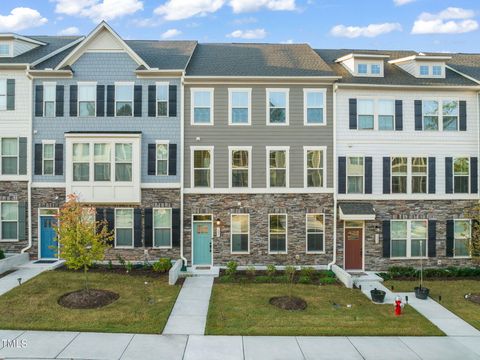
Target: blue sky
[422,25]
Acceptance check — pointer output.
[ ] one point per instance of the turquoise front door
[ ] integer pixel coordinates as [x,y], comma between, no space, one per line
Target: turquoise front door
[47,237]
[202,242]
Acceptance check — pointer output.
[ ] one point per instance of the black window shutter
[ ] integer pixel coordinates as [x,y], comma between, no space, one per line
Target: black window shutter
[152,159]
[110,218]
[473,175]
[352,106]
[38,159]
[137,101]
[172,159]
[176,227]
[39,100]
[22,156]
[398,115]
[172,100]
[148,228]
[137,227]
[10,94]
[386,175]
[22,227]
[152,99]
[58,159]
[342,175]
[448,175]
[368,175]
[386,238]
[449,238]
[73,100]
[110,100]
[462,111]
[100,100]
[432,238]
[432,172]
[418,115]
[59,100]
[99,217]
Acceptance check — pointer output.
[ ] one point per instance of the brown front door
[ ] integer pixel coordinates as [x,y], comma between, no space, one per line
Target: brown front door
[353,248]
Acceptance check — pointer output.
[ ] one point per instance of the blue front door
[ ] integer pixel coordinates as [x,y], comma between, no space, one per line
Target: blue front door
[47,237]
[202,239]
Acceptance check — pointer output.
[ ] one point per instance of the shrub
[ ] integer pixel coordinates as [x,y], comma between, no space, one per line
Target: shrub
[251,271]
[304,279]
[402,271]
[226,279]
[2,255]
[121,260]
[110,265]
[162,265]
[129,267]
[307,272]
[328,280]
[231,268]
[262,279]
[271,270]
[330,274]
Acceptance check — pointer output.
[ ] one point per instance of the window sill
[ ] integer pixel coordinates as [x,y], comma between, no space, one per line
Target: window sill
[240,253]
[277,253]
[123,247]
[7,240]
[409,258]
[161,247]
[315,252]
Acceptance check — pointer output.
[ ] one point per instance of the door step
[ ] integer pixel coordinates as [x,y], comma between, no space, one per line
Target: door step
[203,271]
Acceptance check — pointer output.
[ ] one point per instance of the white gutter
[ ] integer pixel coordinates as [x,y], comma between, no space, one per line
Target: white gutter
[334,259]
[182,139]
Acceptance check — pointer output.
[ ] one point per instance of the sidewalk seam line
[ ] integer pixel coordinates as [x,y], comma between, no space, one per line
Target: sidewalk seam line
[301,351]
[126,347]
[358,351]
[78,334]
[403,342]
[185,349]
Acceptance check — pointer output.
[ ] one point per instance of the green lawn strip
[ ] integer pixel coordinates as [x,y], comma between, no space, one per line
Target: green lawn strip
[452,293]
[244,309]
[33,305]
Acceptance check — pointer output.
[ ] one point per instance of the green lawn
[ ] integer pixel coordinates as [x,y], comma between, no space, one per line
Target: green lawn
[237,309]
[33,306]
[453,295]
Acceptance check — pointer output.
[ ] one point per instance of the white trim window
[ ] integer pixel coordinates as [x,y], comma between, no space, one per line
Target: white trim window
[315,158]
[375,69]
[3,94]
[162,159]
[239,106]
[240,163]
[162,99]
[8,221]
[5,49]
[362,69]
[277,167]
[355,175]
[462,236]
[409,238]
[450,115]
[430,113]
[277,233]
[102,158]
[424,70]
[123,162]
[49,95]
[399,170]
[386,114]
[124,228]
[315,229]
[48,158]
[437,70]
[366,114]
[314,106]
[419,175]
[202,106]
[202,167]
[240,233]
[9,156]
[124,99]
[461,175]
[81,161]
[87,99]
[278,106]
[162,228]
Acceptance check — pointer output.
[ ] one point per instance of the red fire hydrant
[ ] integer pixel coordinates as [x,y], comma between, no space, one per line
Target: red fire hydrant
[398,306]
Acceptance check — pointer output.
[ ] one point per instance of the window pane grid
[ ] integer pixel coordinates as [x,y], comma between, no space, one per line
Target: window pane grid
[8,221]
[461,172]
[315,232]
[240,233]
[315,168]
[239,107]
[430,115]
[201,168]
[162,159]
[314,107]
[48,159]
[124,100]
[9,156]
[162,100]
[399,175]
[462,236]
[419,175]
[240,164]
[124,227]
[277,103]
[409,238]
[278,168]
[277,233]
[355,175]
[202,107]
[162,227]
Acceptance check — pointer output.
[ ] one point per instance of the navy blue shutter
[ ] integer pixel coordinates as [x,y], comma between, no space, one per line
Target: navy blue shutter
[473,175]
[110,218]
[418,115]
[10,94]
[152,100]
[137,227]
[137,101]
[58,159]
[73,100]
[432,175]
[99,217]
[432,238]
[386,238]
[448,175]
[176,227]
[398,115]
[342,175]
[172,159]
[100,100]
[172,100]
[148,228]
[110,100]
[37,170]
[368,175]
[59,100]
[22,228]
[386,175]
[39,100]
[463,115]
[22,156]
[152,159]
[450,235]
[352,106]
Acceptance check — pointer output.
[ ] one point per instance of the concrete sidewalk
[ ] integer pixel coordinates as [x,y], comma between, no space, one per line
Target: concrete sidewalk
[74,345]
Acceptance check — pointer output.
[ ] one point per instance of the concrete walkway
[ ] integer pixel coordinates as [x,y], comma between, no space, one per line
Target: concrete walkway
[189,314]
[74,345]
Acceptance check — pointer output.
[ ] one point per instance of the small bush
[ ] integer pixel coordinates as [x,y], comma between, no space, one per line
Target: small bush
[251,271]
[262,279]
[329,273]
[430,273]
[307,272]
[328,280]
[2,255]
[110,265]
[231,268]
[225,279]
[121,260]
[129,266]
[271,270]
[303,279]
[162,265]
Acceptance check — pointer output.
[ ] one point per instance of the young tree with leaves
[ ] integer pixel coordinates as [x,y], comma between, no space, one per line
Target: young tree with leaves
[474,244]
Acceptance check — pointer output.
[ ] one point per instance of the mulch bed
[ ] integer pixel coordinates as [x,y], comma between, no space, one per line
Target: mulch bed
[288,302]
[87,299]
[475,298]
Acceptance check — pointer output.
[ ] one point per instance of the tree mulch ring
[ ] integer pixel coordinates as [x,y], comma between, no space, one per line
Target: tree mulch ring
[475,298]
[87,299]
[288,302]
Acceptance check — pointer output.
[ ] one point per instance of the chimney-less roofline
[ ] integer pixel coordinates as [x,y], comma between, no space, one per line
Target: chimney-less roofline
[362,56]
[421,58]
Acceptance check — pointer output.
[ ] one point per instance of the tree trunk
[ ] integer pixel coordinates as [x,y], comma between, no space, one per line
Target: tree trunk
[85,273]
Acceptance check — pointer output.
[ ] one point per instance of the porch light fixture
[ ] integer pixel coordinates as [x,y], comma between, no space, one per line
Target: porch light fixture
[218,222]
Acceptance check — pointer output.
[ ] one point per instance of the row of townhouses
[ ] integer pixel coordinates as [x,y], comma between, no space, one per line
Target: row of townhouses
[258,153]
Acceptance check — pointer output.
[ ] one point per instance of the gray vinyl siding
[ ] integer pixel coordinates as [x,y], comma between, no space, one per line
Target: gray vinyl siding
[258,134]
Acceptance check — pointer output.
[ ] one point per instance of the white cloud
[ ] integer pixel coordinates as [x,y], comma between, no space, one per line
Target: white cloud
[402,2]
[240,6]
[248,34]
[72,30]
[21,18]
[171,33]
[98,10]
[289,41]
[184,9]
[449,21]
[371,30]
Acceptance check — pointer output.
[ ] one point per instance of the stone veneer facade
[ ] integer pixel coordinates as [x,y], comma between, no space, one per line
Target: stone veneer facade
[296,206]
[15,191]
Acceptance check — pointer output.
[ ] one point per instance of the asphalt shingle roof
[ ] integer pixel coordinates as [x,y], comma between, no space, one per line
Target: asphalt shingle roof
[357,208]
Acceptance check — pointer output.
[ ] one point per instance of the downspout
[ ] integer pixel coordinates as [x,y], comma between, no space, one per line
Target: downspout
[182,140]
[334,102]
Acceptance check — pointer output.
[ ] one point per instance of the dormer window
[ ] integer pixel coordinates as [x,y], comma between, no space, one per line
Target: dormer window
[424,70]
[364,64]
[362,69]
[5,49]
[423,66]
[436,70]
[375,69]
